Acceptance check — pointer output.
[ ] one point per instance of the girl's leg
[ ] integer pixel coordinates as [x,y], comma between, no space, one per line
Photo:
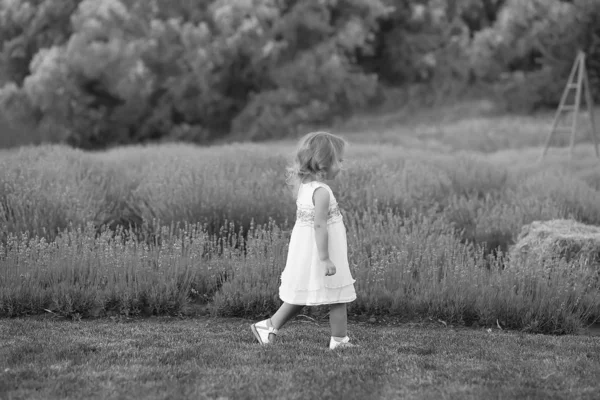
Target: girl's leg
[338,320]
[284,314]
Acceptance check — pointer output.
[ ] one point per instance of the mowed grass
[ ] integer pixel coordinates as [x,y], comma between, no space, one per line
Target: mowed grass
[473,126]
[207,358]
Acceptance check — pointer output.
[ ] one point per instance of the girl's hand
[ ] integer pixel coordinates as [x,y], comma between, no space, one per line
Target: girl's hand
[329,267]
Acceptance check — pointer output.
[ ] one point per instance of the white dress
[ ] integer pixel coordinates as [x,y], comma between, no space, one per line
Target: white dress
[303,280]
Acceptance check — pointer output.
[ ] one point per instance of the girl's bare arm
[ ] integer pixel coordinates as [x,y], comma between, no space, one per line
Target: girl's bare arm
[321,201]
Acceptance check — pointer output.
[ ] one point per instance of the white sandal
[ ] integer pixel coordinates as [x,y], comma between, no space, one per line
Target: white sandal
[262,331]
[344,344]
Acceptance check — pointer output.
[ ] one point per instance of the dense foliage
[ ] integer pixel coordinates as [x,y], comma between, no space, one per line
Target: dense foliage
[212,225]
[98,73]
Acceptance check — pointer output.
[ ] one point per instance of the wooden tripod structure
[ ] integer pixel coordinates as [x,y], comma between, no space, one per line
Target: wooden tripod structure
[580,83]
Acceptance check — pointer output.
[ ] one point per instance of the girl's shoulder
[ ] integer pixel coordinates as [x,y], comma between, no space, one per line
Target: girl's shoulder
[306,191]
[313,185]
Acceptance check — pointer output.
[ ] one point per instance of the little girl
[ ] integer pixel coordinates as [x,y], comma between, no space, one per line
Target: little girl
[316,271]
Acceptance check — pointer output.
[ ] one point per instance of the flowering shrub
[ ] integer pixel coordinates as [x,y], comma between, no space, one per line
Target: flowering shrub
[212,225]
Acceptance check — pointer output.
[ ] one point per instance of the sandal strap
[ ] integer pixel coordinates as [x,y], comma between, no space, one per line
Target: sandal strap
[270,329]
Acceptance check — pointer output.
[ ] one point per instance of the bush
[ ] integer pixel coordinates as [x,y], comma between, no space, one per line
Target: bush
[412,267]
[536,43]
[427,234]
[523,93]
[128,72]
[13,135]
[177,183]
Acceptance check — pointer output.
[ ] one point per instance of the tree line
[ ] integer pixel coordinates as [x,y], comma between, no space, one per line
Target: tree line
[99,73]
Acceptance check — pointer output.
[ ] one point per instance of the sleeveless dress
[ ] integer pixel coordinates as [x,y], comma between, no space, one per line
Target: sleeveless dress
[303,281]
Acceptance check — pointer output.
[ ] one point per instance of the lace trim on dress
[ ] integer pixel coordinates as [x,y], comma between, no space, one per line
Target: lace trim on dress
[305,215]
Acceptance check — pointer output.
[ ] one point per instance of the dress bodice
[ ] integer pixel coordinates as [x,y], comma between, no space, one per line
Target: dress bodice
[305,213]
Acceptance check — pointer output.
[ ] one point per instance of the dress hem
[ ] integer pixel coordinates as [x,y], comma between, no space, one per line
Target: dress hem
[320,288]
[320,303]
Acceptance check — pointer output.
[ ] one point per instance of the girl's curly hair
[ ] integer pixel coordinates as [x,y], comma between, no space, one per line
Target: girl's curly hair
[316,153]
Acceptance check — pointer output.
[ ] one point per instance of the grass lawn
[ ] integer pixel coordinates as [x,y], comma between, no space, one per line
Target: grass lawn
[206,358]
